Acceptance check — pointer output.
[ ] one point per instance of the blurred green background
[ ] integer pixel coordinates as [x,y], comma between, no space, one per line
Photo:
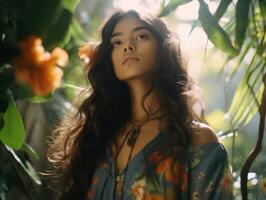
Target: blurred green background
[222,40]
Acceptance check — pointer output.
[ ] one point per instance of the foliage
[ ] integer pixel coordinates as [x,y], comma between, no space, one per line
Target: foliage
[29,29]
[248,28]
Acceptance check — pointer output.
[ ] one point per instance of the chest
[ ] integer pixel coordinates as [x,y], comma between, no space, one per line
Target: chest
[124,153]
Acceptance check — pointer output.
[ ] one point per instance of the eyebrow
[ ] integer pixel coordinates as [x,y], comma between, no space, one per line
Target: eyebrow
[133,30]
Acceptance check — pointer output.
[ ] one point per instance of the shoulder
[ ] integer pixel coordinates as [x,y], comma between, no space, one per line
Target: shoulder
[203,134]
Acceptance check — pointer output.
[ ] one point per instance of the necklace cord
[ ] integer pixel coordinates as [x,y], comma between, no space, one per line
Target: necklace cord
[132,138]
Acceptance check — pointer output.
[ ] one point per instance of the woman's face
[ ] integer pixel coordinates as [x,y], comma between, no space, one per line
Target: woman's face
[135,50]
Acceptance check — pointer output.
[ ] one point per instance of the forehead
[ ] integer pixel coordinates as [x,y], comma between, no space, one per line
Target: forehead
[127,24]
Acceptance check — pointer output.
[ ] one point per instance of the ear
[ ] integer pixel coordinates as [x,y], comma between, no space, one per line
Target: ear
[204,134]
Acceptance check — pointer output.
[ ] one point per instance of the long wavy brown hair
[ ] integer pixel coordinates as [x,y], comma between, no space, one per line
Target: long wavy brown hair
[79,143]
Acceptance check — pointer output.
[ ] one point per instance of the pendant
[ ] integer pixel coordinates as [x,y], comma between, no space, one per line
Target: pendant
[133,136]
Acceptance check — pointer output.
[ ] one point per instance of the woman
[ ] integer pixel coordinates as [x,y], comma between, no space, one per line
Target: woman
[136,136]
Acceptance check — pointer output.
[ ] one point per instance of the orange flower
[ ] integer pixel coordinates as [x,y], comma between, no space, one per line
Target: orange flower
[87,52]
[174,172]
[38,68]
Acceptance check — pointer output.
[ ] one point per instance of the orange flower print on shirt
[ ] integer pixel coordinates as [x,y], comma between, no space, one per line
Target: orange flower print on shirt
[174,172]
[140,191]
[95,180]
[153,197]
[227,181]
[90,193]
[39,68]
[155,156]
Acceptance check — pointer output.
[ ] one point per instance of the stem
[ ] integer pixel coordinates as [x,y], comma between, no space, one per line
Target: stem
[254,153]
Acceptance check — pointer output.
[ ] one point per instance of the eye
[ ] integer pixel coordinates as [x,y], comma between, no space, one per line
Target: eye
[142,36]
[116,43]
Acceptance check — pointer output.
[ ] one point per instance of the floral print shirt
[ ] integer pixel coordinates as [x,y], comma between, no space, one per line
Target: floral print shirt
[205,175]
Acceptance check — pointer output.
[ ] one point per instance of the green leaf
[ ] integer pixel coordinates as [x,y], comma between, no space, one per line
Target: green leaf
[55,37]
[222,8]
[2,122]
[77,32]
[262,4]
[6,78]
[70,4]
[248,95]
[242,18]
[48,12]
[171,6]
[214,31]
[13,133]
[26,173]
[30,151]
[3,105]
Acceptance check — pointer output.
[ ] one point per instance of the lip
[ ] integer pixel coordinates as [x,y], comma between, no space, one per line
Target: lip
[130,59]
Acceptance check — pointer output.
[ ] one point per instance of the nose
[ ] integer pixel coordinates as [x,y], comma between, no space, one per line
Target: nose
[129,47]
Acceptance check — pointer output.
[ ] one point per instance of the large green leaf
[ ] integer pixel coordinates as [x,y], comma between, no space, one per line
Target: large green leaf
[58,32]
[26,173]
[13,133]
[171,6]
[38,16]
[222,8]
[242,18]
[214,31]
[70,4]
[6,79]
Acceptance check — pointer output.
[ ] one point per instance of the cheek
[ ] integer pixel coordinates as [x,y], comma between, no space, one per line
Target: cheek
[152,54]
[115,61]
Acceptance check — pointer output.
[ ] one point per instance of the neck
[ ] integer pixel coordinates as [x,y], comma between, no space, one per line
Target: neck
[151,103]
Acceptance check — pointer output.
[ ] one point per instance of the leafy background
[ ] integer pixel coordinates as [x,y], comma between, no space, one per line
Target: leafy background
[225,43]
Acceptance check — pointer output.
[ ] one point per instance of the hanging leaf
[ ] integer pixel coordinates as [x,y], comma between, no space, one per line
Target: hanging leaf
[243,54]
[214,31]
[13,133]
[30,151]
[247,96]
[221,9]
[70,4]
[171,6]
[77,32]
[242,17]
[262,4]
